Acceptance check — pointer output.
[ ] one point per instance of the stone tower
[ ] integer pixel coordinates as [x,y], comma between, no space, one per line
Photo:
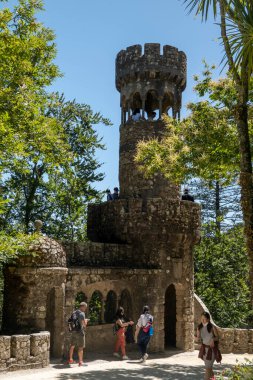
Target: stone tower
[150,82]
[154,228]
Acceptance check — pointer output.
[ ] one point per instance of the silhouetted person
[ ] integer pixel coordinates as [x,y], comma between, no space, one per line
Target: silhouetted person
[152,116]
[115,194]
[108,195]
[186,196]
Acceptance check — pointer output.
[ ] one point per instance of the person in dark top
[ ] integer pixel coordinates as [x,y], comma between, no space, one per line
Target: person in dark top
[186,196]
[108,195]
[115,194]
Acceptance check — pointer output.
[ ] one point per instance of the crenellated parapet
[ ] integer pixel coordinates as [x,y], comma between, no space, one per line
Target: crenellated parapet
[156,228]
[132,65]
[150,80]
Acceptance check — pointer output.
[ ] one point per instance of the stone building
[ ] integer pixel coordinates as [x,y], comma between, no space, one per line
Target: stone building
[140,248]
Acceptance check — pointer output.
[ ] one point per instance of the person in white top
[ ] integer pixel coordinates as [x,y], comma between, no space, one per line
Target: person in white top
[143,332]
[136,114]
[208,335]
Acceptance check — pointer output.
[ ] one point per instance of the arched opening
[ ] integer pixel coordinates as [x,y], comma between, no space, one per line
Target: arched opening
[126,303]
[95,308]
[110,307]
[136,101]
[152,104]
[170,317]
[167,102]
[80,297]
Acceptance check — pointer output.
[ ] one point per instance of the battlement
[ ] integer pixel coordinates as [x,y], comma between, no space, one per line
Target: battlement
[127,220]
[132,65]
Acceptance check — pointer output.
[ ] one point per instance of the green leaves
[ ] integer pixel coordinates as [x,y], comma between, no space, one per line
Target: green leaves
[202,7]
[47,144]
[204,144]
[219,281]
[240,34]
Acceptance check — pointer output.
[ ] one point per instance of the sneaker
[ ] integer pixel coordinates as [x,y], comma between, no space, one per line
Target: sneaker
[82,364]
[71,361]
[116,354]
[125,357]
[145,356]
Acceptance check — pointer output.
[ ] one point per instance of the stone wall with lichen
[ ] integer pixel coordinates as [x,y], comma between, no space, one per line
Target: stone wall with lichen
[24,351]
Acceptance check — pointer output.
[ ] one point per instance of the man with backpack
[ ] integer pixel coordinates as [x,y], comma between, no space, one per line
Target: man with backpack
[77,326]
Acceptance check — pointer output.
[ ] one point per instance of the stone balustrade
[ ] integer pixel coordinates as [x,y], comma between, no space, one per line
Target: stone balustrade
[24,351]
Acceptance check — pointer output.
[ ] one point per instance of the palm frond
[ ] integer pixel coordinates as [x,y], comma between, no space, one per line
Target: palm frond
[202,7]
[240,33]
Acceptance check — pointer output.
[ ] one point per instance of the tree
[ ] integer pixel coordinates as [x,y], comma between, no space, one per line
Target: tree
[219,280]
[48,144]
[219,204]
[236,26]
[205,144]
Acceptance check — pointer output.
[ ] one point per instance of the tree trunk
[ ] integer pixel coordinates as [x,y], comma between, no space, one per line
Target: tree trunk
[217,206]
[246,186]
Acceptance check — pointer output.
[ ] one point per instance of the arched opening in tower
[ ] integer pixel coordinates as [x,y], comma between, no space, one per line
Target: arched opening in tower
[167,103]
[170,317]
[152,104]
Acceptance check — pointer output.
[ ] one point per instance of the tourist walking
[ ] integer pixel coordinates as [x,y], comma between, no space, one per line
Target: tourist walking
[209,351]
[144,331]
[120,327]
[77,327]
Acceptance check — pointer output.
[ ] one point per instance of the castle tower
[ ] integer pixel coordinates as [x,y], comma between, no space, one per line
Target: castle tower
[152,83]
[153,229]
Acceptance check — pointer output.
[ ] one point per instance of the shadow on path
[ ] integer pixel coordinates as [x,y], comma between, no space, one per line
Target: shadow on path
[152,372]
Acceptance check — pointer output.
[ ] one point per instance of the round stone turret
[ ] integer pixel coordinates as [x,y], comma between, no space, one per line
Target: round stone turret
[150,81]
[150,85]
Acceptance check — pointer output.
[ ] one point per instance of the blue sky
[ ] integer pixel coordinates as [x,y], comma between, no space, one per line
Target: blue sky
[90,33]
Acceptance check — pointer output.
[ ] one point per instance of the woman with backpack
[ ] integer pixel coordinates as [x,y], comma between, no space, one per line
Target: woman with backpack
[144,330]
[120,327]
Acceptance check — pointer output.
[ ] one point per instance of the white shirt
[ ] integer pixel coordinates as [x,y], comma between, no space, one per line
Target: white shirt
[144,319]
[136,117]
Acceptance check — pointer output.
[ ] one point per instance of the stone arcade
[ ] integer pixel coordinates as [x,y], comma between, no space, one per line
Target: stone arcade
[140,248]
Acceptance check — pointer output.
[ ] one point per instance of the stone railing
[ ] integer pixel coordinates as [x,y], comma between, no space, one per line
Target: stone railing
[24,351]
[232,340]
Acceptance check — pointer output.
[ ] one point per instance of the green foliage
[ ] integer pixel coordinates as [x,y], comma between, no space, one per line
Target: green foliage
[80,297]
[57,189]
[204,144]
[47,144]
[242,371]
[95,308]
[221,276]
[14,245]
[236,29]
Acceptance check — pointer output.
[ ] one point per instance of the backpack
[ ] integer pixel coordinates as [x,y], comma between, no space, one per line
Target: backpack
[115,328]
[73,321]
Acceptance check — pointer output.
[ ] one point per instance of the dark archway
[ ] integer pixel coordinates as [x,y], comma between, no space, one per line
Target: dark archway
[110,307]
[170,317]
[126,303]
